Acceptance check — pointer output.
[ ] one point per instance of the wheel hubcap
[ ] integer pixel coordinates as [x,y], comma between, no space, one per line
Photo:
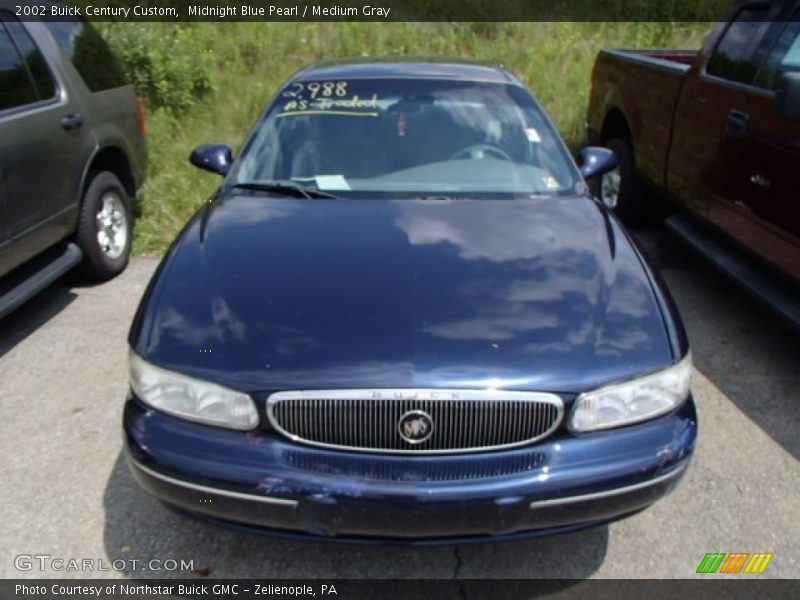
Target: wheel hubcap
[112,226]
[609,188]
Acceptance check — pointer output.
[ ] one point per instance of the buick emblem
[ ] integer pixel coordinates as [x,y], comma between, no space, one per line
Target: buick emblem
[415,426]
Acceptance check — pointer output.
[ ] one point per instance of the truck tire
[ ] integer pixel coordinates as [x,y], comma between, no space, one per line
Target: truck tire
[620,188]
[105,227]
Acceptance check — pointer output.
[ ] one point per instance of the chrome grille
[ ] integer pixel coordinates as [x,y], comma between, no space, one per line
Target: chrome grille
[369,420]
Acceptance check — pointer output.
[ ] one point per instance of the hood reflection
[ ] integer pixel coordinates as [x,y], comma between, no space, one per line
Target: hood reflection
[516,294]
[570,286]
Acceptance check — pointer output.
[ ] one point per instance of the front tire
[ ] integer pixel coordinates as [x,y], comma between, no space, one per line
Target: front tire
[105,228]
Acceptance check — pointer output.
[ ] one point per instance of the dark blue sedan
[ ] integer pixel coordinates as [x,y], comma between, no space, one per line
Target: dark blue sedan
[404,317]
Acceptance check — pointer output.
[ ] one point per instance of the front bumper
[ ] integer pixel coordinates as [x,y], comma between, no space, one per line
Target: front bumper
[259,480]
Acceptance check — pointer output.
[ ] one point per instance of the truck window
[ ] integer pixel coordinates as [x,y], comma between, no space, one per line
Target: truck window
[37,67]
[16,88]
[734,58]
[89,53]
[785,56]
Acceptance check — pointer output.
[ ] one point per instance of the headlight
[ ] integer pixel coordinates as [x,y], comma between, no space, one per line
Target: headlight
[190,398]
[633,401]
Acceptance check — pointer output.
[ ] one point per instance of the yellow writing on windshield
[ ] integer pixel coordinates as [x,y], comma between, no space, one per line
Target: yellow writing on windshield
[326,97]
[344,113]
[352,102]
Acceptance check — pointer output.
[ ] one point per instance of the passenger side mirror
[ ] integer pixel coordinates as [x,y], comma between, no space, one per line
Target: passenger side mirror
[787,98]
[594,161]
[216,158]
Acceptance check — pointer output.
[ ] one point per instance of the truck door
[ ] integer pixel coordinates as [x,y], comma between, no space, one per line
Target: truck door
[728,143]
[703,116]
[766,161]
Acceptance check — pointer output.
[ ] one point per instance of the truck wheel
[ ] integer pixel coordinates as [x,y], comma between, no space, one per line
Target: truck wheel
[620,188]
[105,227]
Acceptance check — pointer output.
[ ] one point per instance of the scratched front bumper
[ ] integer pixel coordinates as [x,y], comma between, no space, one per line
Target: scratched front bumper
[259,480]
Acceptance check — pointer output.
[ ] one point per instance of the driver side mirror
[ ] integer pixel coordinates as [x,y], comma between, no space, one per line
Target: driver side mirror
[787,97]
[216,158]
[594,161]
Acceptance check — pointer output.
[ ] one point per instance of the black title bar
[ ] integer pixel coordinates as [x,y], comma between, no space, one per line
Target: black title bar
[376,10]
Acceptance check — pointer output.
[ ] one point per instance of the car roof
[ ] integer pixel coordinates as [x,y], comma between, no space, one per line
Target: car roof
[405,68]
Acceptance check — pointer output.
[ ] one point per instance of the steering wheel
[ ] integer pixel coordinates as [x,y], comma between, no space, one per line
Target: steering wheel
[481,151]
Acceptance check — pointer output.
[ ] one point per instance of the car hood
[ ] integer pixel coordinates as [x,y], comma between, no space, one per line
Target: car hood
[266,293]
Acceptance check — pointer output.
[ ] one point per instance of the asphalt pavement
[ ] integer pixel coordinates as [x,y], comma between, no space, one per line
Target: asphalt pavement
[67,493]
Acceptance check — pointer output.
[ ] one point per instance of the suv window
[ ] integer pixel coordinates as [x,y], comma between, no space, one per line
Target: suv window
[16,88]
[37,68]
[89,53]
[785,56]
[735,56]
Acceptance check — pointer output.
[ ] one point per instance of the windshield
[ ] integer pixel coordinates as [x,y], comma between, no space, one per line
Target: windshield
[408,136]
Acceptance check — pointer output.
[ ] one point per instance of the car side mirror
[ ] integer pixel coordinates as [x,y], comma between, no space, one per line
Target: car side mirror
[216,158]
[787,97]
[594,161]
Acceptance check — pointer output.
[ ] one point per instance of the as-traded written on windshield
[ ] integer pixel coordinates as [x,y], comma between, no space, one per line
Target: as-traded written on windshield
[102,10]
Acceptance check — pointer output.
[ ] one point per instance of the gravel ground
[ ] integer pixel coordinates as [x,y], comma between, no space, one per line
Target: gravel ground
[66,490]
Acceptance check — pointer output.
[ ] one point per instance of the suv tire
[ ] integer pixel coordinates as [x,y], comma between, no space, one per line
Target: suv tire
[105,227]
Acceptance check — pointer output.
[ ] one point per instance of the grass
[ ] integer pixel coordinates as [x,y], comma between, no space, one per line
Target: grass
[247,62]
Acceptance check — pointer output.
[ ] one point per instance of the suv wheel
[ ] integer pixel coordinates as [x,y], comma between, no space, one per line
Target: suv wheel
[105,227]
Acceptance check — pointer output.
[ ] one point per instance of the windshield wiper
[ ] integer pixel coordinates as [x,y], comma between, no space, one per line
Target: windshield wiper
[283,188]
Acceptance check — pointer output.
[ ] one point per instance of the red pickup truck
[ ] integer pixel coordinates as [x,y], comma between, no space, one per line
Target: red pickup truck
[717,133]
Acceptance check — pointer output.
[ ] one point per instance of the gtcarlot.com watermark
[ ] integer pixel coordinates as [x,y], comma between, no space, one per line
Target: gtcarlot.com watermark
[48,562]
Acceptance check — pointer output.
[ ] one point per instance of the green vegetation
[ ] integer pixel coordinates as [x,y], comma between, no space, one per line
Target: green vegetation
[167,67]
[208,82]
